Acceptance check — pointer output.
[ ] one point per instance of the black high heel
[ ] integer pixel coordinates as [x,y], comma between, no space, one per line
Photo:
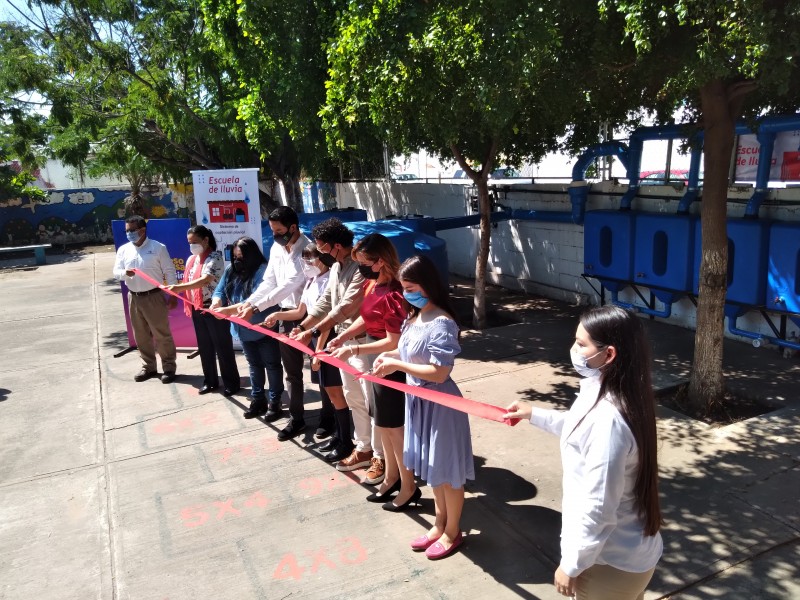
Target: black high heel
[391,507]
[378,497]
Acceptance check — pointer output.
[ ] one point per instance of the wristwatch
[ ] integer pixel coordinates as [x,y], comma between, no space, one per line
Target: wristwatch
[300,327]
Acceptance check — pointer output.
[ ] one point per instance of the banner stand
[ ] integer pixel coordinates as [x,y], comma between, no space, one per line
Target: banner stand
[124,352]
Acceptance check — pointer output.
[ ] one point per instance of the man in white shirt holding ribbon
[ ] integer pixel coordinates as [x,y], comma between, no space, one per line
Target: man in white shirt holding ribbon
[149,309]
[281,289]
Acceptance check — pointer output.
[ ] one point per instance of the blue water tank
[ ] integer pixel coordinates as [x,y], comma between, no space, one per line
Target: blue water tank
[608,246]
[748,244]
[346,215]
[318,195]
[408,241]
[783,275]
[436,249]
[403,239]
[421,223]
[664,252]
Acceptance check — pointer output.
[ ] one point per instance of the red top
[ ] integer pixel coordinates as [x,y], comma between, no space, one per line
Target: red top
[383,309]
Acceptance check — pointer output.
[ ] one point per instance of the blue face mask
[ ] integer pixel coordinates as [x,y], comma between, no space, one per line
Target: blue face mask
[133,236]
[415,299]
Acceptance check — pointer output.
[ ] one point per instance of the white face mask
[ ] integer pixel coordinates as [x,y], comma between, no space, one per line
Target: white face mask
[196,249]
[310,271]
[580,363]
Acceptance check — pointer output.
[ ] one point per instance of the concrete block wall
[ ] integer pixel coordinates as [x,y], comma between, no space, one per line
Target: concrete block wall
[547,258]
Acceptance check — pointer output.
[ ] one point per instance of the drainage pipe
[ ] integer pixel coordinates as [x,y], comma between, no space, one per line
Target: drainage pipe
[468,220]
[734,312]
[642,309]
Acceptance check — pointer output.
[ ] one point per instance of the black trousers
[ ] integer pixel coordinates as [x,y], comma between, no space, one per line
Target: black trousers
[214,343]
[293,361]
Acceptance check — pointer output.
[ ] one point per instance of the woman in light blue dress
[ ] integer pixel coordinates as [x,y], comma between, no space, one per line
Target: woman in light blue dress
[437,444]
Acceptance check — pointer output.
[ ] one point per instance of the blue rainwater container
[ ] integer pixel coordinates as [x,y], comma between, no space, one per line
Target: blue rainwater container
[403,239]
[664,252]
[608,246]
[783,271]
[423,224]
[748,245]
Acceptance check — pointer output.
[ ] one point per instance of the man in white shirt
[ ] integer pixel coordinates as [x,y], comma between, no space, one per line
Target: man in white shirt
[149,312]
[281,289]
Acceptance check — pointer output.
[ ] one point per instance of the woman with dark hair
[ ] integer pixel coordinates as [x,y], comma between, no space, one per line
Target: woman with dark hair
[610,540]
[242,276]
[381,316]
[437,444]
[214,343]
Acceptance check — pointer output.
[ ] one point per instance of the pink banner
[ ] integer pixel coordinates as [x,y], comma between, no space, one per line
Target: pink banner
[471,407]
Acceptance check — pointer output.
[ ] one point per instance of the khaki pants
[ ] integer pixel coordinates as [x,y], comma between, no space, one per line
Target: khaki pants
[601,582]
[358,394]
[149,319]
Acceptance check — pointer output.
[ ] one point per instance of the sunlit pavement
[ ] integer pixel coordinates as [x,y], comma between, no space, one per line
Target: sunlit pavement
[116,489]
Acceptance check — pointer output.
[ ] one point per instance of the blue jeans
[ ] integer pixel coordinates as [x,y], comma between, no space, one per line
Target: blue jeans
[262,356]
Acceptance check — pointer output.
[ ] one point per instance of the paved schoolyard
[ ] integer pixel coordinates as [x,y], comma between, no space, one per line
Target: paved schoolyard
[115,489]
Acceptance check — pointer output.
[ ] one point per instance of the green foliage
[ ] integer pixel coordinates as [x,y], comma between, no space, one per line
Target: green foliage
[127,79]
[753,44]
[522,78]
[277,50]
[16,183]
[22,133]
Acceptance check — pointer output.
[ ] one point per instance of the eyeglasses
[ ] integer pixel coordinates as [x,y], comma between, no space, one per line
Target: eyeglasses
[310,261]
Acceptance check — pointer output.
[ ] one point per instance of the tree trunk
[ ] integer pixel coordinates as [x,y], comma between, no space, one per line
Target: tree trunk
[706,383]
[485,207]
[294,194]
[481,181]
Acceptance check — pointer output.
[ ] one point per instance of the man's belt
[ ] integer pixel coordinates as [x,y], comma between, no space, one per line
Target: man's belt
[148,292]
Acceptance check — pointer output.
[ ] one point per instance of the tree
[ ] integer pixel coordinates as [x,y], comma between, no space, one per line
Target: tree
[22,136]
[277,50]
[134,76]
[472,81]
[720,60]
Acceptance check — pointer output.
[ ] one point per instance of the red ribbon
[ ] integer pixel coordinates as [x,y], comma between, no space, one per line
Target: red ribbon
[471,407]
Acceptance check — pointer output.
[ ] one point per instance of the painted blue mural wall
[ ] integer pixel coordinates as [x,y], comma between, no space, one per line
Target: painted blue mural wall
[82,215]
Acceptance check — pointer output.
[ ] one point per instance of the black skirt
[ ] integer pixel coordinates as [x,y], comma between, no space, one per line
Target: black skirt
[389,405]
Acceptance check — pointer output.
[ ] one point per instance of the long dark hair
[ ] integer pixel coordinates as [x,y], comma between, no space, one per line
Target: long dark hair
[378,247]
[204,232]
[627,382]
[421,270]
[253,259]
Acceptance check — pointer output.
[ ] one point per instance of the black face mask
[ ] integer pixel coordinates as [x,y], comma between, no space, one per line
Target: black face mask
[367,272]
[327,259]
[282,240]
[238,265]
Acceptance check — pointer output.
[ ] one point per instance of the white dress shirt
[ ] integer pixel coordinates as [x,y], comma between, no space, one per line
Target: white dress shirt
[314,289]
[150,258]
[283,280]
[600,459]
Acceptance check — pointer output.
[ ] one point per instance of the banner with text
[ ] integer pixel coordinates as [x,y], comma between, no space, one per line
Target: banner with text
[785,157]
[227,203]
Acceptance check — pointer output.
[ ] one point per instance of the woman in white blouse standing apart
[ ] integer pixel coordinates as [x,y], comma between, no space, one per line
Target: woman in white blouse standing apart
[610,540]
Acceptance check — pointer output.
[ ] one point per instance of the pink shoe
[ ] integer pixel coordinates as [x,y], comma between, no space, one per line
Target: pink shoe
[422,543]
[437,550]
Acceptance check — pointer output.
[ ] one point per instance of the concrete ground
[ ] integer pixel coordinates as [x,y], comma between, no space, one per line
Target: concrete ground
[115,489]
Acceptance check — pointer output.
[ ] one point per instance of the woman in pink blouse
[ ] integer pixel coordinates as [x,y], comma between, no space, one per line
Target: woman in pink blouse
[203,271]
